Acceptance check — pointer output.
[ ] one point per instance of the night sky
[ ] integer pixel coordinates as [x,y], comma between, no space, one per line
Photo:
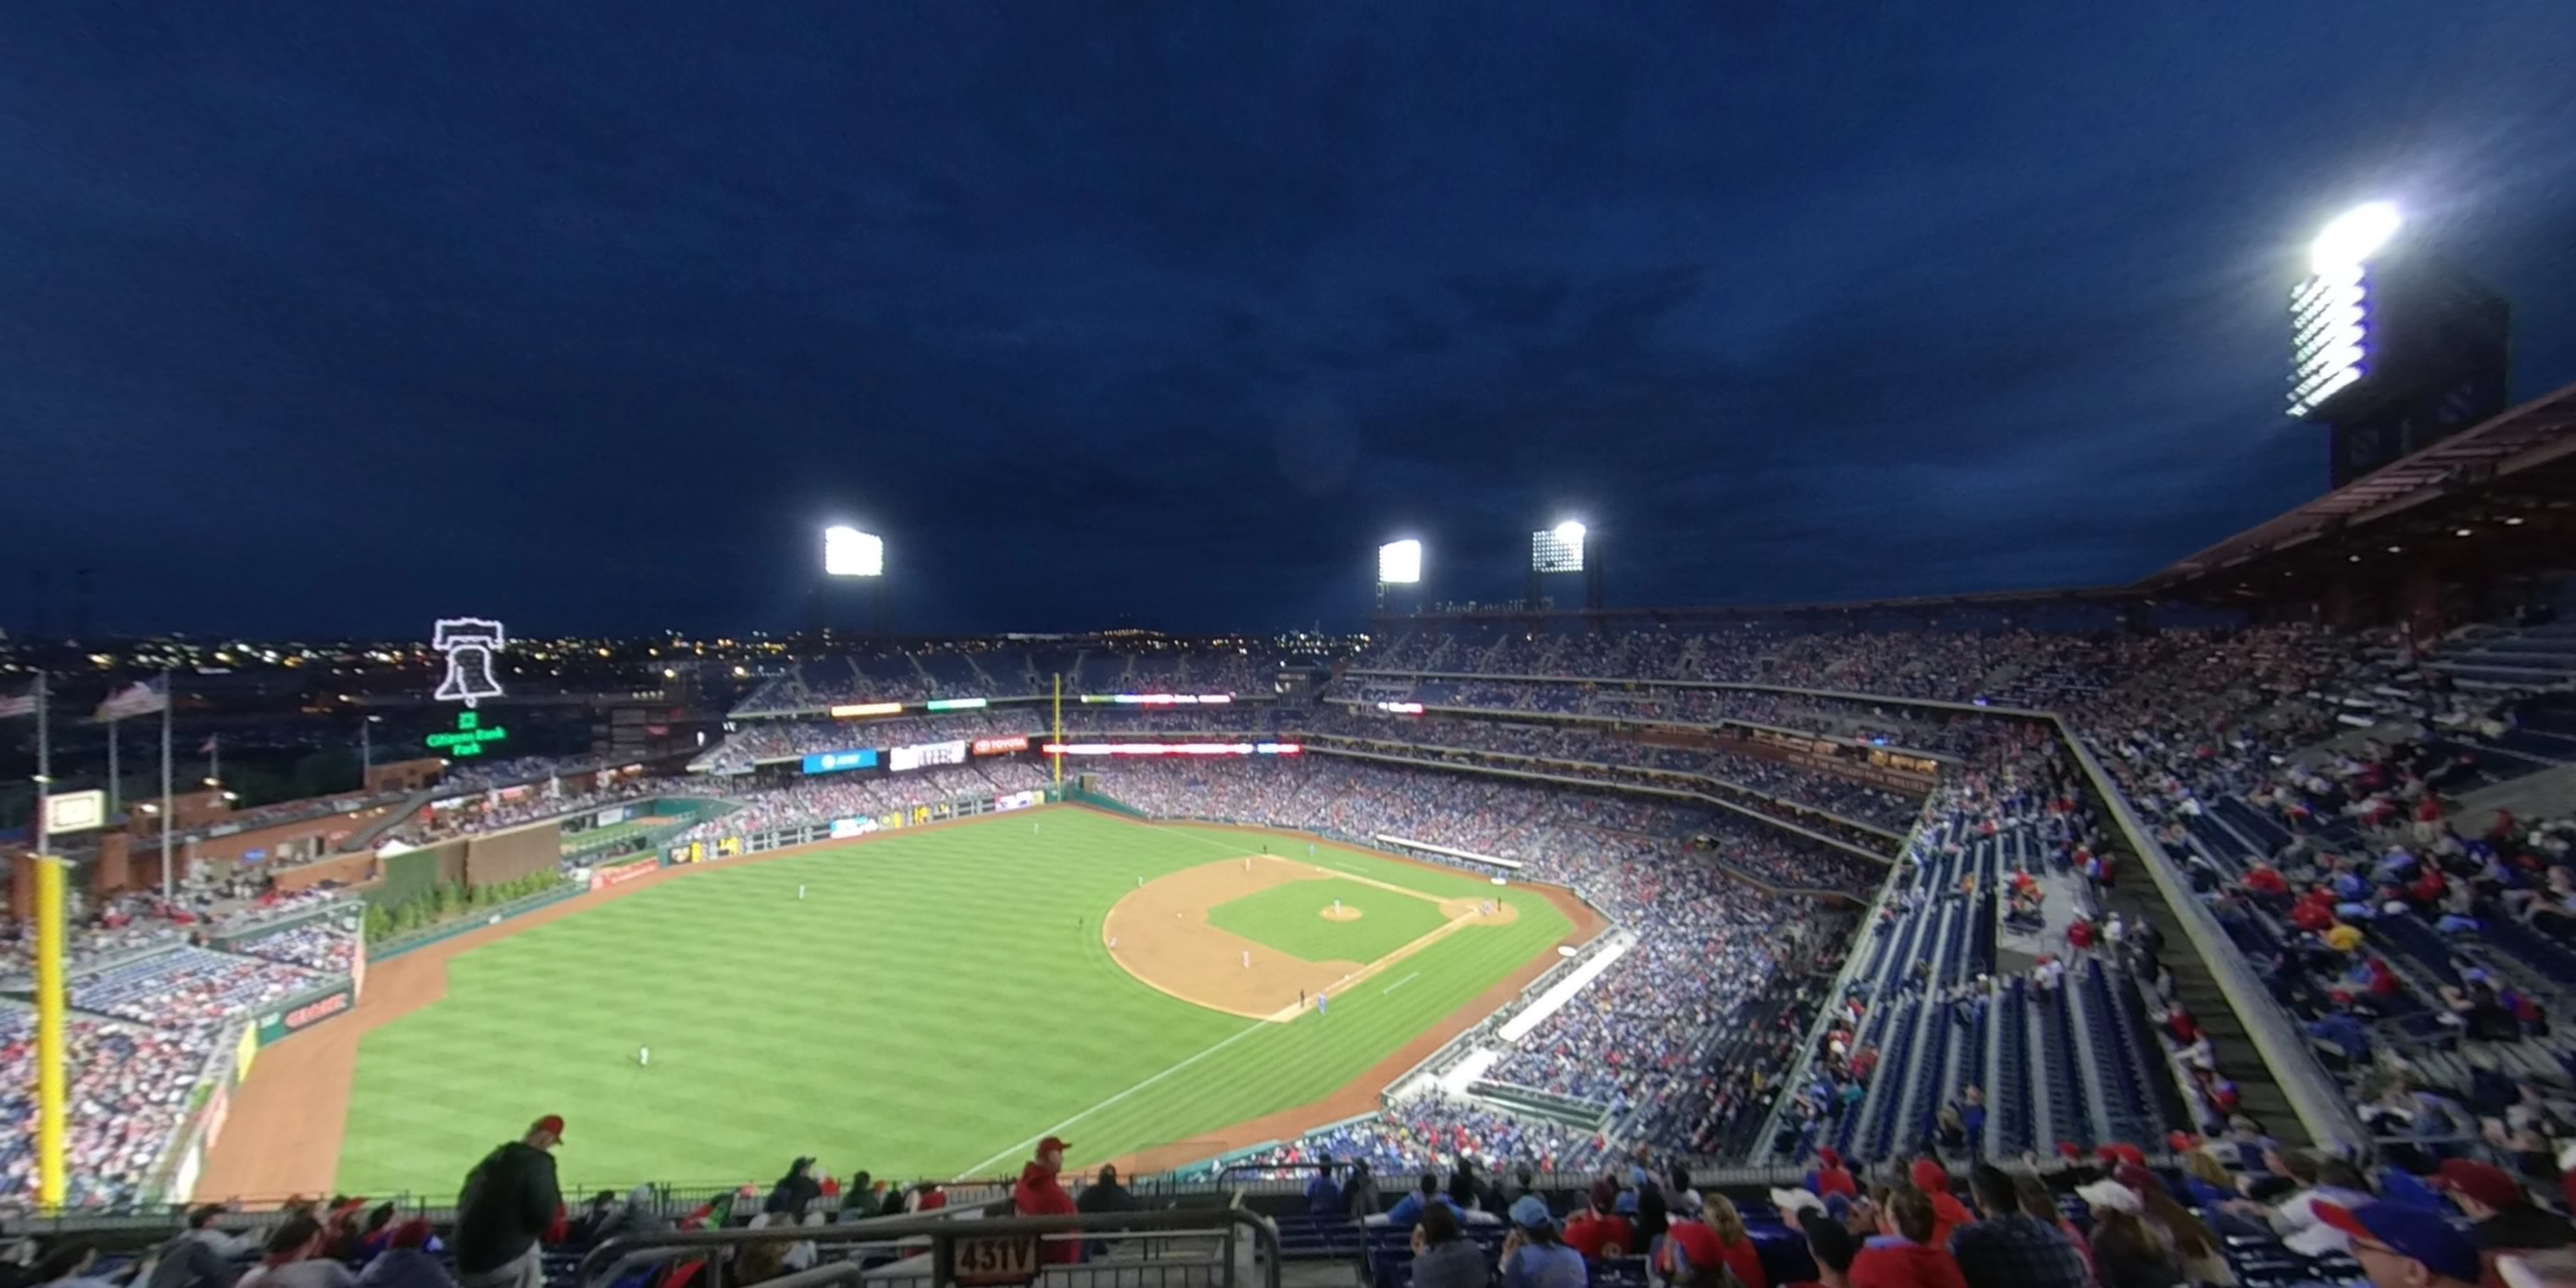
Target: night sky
[329,319]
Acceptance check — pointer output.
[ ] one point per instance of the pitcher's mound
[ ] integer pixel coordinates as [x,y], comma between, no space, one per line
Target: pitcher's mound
[1339,914]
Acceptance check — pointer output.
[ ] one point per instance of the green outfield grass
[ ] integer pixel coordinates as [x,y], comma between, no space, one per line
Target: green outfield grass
[935,1002]
[1290,919]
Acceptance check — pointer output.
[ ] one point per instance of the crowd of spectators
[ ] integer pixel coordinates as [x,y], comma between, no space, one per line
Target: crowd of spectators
[805,802]
[129,1090]
[502,808]
[1436,1132]
[188,987]
[313,947]
[1585,750]
[1162,667]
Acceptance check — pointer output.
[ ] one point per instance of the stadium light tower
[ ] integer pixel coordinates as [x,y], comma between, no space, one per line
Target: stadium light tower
[849,554]
[1569,547]
[2391,348]
[1399,563]
[2354,236]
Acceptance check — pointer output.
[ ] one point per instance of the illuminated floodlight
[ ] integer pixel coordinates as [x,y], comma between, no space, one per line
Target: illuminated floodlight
[1399,563]
[2355,236]
[1558,549]
[848,552]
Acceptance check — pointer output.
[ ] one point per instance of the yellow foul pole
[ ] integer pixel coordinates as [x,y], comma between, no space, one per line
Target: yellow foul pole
[49,1032]
[1058,758]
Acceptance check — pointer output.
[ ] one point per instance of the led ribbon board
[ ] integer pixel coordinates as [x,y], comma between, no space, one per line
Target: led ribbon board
[1172,749]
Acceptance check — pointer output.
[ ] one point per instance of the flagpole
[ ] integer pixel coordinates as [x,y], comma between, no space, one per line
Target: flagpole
[168,700]
[115,786]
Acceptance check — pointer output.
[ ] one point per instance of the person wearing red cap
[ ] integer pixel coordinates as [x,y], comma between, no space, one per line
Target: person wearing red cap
[2403,1247]
[1948,1213]
[510,1201]
[1831,1177]
[1039,1193]
[2501,1215]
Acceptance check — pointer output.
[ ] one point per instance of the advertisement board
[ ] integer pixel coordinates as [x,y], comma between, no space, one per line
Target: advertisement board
[602,878]
[1001,746]
[844,828]
[305,1013]
[832,762]
[900,759]
[1173,749]
[614,814]
[1017,800]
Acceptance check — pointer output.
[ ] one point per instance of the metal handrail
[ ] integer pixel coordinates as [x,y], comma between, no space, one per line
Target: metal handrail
[942,1231]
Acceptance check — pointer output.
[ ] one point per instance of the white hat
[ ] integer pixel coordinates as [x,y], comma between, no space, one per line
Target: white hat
[2110,1195]
[1790,1200]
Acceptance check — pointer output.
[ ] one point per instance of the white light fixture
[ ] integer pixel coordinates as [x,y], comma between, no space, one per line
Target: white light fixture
[848,552]
[1399,563]
[2355,236]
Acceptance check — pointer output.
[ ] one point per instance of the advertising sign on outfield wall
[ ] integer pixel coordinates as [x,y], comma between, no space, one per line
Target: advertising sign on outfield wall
[844,828]
[602,878]
[312,1010]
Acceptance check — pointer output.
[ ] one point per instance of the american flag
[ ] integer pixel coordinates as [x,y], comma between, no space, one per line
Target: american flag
[22,705]
[138,699]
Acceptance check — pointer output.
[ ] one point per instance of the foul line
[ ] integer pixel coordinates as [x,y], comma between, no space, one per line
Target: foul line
[1402,982]
[974,1173]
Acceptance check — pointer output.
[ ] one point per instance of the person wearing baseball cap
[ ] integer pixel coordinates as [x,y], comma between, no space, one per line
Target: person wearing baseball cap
[1039,1193]
[2403,1247]
[510,1201]
[2502,1218]
[1534,1255]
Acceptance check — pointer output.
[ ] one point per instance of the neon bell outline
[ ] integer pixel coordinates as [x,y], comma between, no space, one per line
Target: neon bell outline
[469,643]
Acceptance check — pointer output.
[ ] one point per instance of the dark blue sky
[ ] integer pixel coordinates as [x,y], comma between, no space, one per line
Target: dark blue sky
[324,318]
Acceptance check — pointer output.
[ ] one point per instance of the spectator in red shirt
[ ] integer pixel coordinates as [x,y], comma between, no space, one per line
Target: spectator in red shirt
[1948,1213]
[1902,1254]
[2264,879]
[1039,1193]
[1600,1233]
[1832,1177]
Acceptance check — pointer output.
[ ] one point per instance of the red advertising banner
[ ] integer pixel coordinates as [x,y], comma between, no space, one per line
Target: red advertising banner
[602,878]
[997,746]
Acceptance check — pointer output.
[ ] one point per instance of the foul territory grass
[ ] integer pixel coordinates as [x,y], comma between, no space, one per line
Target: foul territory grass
[1291,919]
[934,1002]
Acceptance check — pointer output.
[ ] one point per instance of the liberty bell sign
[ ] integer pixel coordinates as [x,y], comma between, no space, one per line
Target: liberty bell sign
[468,643]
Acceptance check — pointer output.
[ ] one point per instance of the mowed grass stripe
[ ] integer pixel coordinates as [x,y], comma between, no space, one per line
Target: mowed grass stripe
[932,998]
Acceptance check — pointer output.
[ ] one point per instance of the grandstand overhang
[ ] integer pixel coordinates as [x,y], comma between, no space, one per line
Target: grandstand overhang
[2498,498]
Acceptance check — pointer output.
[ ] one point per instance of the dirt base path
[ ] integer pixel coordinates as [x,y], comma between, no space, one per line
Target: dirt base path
[1160,934]
[283,1135]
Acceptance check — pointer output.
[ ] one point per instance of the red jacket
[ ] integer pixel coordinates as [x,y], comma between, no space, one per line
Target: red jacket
[1698,1242]
[1040,1194]
[1889,1262]
[1593,1232]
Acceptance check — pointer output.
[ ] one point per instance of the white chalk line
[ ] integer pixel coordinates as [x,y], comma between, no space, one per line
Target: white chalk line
[1401,982]
[976,1172]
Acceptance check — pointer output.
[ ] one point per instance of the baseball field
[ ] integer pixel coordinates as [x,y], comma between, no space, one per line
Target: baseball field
[921,1003]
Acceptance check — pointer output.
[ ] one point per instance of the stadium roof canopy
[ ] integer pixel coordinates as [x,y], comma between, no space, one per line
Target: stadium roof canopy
[2499,495]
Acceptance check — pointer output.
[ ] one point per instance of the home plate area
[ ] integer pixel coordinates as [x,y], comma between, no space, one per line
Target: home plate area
[1262,936]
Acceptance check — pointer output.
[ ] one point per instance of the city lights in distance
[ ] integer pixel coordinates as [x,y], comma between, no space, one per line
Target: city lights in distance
[1399,563]
[848,552]
[2354,236]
